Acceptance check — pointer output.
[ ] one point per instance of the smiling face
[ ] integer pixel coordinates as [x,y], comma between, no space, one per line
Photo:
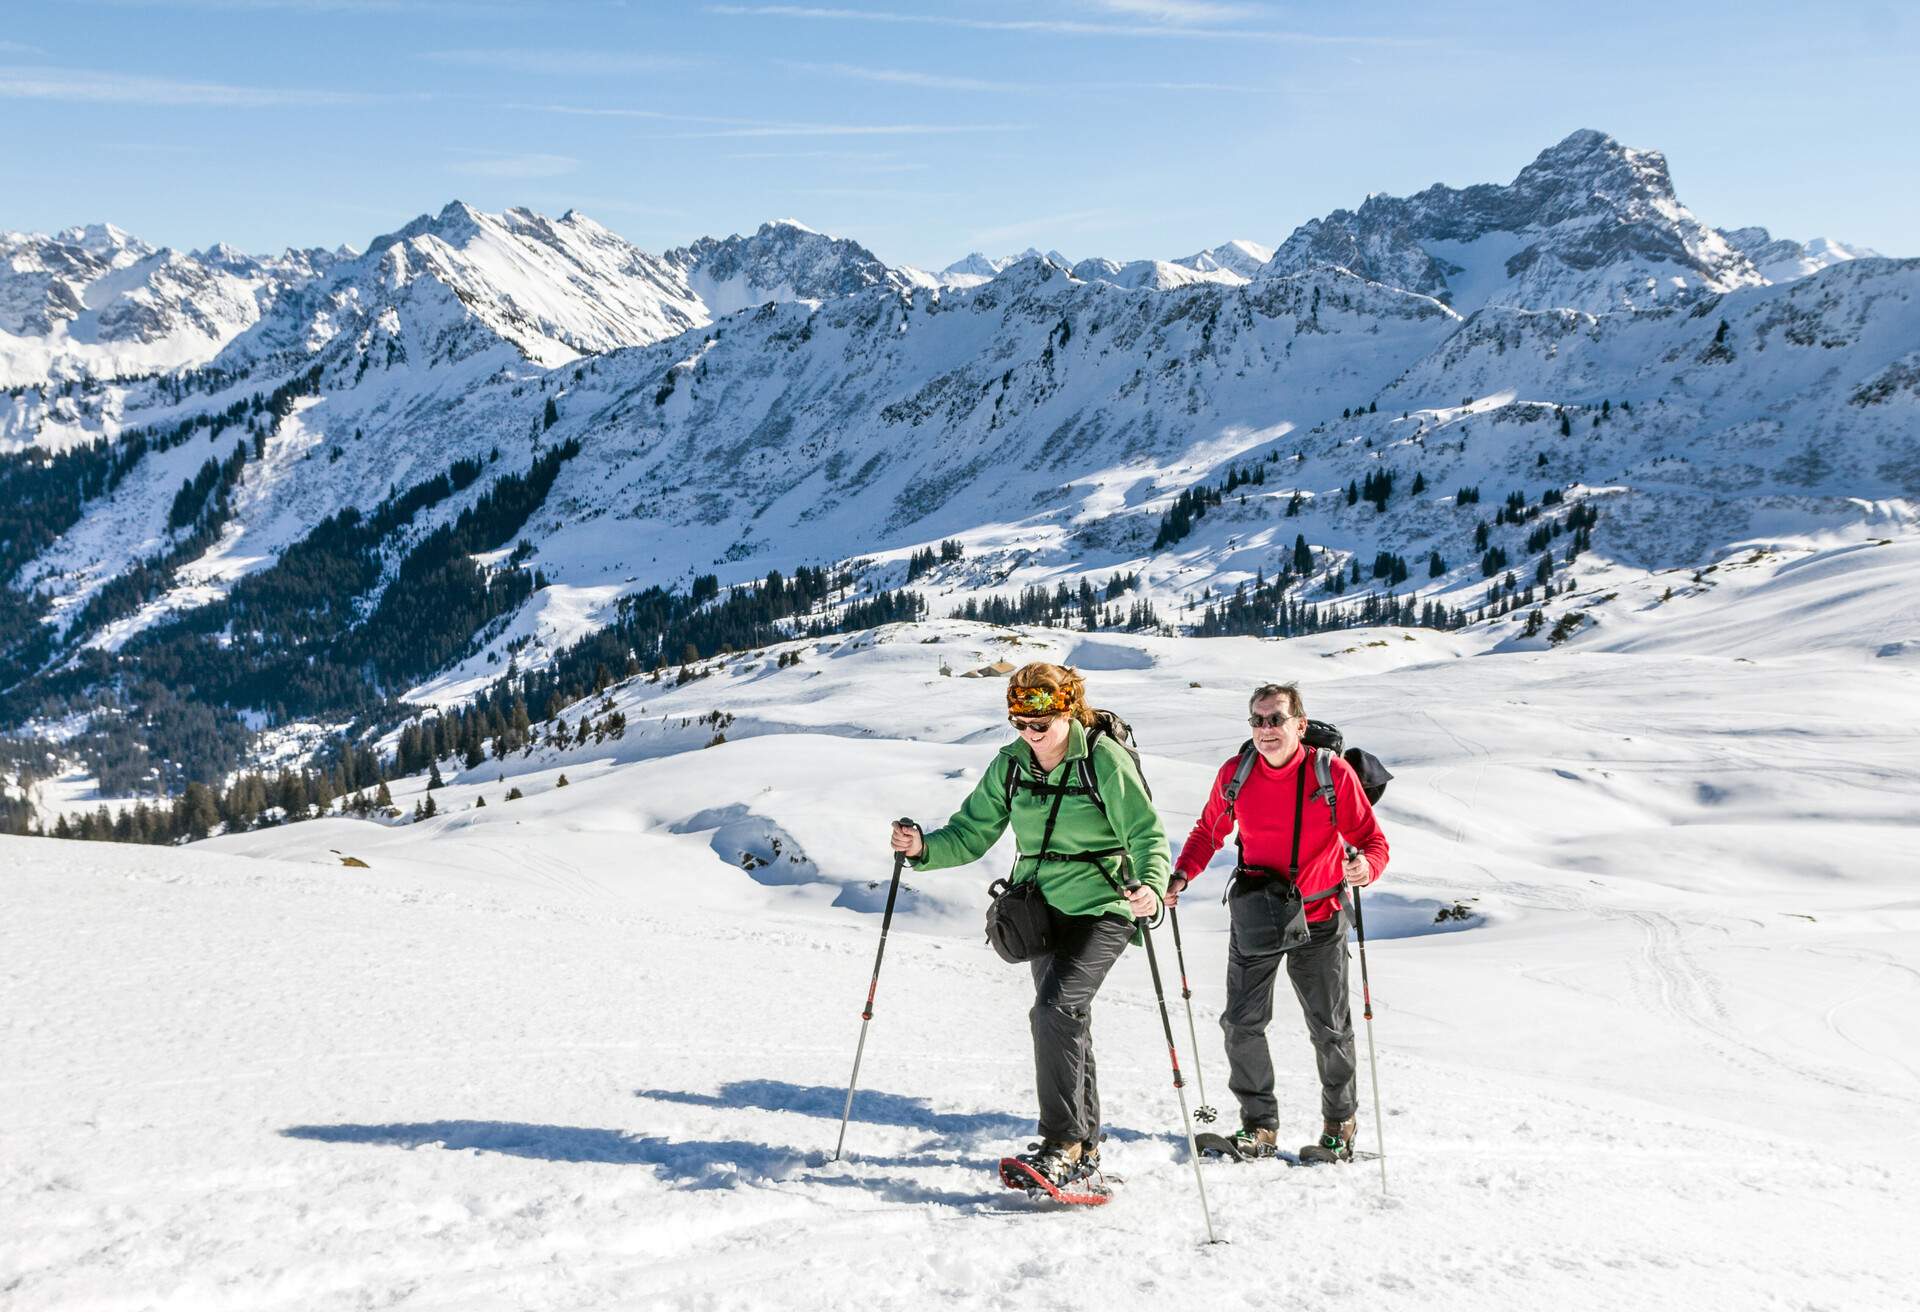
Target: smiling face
[1276,742]
[1046,736]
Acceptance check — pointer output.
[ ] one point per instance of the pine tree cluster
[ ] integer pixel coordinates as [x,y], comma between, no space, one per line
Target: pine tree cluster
[1191,505]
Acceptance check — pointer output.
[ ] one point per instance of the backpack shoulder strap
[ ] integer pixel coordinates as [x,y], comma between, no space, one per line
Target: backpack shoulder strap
[1089,777]
[1242,771]
[1323,774]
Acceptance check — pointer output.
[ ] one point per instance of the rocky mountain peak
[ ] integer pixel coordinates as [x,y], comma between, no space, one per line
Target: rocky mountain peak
[1589,224]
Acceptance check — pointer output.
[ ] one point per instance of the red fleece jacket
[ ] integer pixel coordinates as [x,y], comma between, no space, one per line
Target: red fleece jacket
[1264,813]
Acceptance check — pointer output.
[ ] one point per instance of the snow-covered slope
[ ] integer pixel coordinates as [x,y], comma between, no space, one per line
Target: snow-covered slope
[1244,258]
[1046,421]
[1231,263]
[1589,225]
[1154,275]
[975,268]
[783,261]
[95,302]
[1783,259]
[589,1048]
[460,280]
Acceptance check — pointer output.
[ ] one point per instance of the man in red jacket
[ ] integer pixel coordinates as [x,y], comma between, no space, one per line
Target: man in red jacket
[1293,844]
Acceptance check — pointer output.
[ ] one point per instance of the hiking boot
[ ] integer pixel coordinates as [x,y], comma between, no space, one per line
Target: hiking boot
[1090,1156]
[1059,1160]
[1336,1143]
[1256,1141]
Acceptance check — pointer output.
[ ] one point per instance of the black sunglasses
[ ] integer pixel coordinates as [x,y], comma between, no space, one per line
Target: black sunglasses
[1029,726]
[1274,721]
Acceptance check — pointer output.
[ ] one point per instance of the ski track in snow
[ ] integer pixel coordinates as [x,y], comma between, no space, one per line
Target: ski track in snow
[565,1052]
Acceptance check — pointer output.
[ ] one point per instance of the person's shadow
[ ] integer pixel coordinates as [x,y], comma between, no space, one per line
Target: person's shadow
[683,1163]
[952,1130]
[728,1163]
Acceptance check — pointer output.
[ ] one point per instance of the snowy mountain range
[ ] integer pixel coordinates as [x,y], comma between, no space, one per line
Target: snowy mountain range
[761,402]
[95,302]
[1783,259]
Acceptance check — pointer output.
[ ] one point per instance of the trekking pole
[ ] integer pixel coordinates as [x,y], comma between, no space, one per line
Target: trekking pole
[1173,1054]
[1373,1060]
[866,1014]
[1203,1113]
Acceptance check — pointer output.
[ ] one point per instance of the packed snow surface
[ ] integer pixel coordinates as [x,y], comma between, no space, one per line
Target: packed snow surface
[588,1048]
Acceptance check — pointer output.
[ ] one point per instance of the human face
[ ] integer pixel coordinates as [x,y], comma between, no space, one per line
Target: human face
[1276,742]
[1046,736]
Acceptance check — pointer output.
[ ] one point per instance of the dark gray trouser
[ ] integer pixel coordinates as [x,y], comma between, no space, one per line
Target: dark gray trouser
[1319,974]
[1062,1017]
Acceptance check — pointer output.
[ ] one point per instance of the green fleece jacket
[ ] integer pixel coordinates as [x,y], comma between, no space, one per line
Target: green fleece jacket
[1074,888]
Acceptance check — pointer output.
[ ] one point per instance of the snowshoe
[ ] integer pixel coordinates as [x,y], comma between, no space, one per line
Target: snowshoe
[1253,1142]
[1249,1143]
[1063,1172]
[1335,1144]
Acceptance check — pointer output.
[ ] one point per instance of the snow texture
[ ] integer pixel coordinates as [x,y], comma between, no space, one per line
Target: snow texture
[588,1049]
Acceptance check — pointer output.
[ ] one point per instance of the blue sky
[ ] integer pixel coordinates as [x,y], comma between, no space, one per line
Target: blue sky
[1124,128]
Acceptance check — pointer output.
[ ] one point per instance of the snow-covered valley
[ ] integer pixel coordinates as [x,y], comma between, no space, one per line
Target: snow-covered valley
[587,1048]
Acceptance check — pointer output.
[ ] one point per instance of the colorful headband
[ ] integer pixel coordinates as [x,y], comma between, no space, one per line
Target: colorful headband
[1038,701]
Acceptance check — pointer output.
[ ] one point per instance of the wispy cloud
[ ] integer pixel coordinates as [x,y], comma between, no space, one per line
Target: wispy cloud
[1181,11]
[19,48]
[515,166]
[560,63]
[857,130]
[876,158]
[96,86]
[1058,26]
[748,127]
[943,82]
[497,7]
[878,193]
[905,77]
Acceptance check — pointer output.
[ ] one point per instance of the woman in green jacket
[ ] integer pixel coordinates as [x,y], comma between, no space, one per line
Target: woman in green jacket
[1081,849]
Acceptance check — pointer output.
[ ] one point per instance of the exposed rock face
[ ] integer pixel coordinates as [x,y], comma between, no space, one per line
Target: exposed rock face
[1589,225]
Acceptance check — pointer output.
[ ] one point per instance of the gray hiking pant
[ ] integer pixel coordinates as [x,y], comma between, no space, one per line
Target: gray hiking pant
[1062,1017]
[1319,974]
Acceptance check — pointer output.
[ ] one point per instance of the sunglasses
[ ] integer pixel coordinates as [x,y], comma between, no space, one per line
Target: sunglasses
[1275,721]
[1030,726]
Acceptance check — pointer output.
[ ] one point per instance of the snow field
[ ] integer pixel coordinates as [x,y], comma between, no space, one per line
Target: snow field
[566,1052]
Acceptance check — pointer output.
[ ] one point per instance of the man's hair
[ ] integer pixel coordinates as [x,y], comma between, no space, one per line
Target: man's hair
[1295,707]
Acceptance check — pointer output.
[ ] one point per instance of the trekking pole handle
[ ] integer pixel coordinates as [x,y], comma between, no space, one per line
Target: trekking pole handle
[1132,885]
[908,822]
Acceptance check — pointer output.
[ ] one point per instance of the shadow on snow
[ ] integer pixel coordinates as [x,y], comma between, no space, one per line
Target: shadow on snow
[684,1164]
[870,1107]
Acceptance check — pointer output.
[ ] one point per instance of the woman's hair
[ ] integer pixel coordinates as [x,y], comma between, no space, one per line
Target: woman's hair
[1062,679]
